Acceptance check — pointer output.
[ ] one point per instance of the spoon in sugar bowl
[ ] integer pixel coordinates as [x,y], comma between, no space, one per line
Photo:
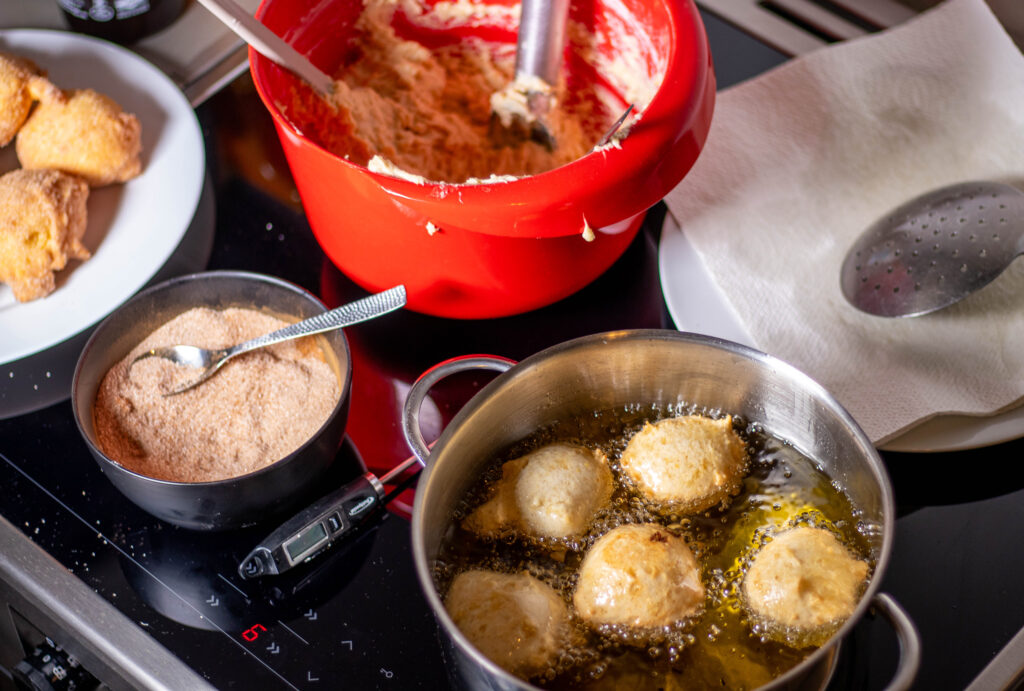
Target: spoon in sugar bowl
[208,361]
[935,249]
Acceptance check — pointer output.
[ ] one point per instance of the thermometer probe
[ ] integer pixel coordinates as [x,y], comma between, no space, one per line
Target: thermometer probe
[327,520]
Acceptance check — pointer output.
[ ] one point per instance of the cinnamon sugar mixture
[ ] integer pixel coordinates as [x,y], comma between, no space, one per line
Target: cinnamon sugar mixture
[258,408]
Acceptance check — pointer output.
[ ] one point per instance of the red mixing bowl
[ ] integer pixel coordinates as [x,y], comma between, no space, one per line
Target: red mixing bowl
[504,247]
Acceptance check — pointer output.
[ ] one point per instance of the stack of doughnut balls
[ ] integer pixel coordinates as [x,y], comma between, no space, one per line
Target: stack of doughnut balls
[67,141]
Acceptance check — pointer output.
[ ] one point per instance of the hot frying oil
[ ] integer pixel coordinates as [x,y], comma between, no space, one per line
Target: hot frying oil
[721,647]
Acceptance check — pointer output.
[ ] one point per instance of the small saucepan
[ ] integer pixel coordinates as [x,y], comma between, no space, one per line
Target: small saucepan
[238,501]
[616,370]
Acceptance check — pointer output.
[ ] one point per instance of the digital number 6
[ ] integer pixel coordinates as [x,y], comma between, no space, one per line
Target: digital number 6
[253,632]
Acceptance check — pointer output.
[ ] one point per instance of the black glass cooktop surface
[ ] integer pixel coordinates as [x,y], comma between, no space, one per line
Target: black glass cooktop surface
[307,629]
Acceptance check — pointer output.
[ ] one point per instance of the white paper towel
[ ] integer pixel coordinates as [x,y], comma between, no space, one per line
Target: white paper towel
[801,159]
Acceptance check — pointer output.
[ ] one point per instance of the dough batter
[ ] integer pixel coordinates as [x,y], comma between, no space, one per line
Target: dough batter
[426,112]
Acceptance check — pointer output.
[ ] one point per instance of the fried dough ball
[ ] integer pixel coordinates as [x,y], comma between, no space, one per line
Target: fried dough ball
[85,134]
[639,576]
[42,219]
[804,579]
[517,621]
[22,83]
[552,492]
[691,461]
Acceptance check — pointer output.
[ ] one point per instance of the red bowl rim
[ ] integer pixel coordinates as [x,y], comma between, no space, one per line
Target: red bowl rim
[686,93]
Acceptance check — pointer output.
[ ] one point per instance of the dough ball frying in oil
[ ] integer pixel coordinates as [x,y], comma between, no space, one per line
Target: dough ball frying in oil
[691,462]
[83,133]
[516,620]
[554,492]
[640,576]
[804,581]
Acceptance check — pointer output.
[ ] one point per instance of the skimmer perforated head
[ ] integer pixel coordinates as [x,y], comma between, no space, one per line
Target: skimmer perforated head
[935,249]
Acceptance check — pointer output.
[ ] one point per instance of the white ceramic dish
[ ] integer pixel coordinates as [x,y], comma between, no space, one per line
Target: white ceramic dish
[133,228]
[695,304]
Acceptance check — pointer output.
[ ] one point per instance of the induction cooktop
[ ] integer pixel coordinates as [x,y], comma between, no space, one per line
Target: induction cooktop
[354,615]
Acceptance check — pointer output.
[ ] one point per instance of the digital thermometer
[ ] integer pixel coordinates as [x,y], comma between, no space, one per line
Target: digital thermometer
[316,527]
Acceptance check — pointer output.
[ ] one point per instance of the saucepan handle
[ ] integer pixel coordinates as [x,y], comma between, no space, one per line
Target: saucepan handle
[908,637]
[411,411]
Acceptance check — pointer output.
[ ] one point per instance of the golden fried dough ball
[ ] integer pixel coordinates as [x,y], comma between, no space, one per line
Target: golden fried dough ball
[804,579]
[552,492]
[639,576]
[21,84]
[42,219]
[87,134]
[691,461]
[517,621]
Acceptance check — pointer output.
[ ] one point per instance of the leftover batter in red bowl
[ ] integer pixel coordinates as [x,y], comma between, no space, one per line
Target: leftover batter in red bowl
[399,191]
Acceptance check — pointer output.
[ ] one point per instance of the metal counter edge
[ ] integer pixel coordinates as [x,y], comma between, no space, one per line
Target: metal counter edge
[105,641]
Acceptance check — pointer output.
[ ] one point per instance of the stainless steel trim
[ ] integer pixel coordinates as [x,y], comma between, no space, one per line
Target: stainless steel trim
[205,85]
[819,17]
[796,27]
[1005,671]
[766,26]
[105,641]
[197,52]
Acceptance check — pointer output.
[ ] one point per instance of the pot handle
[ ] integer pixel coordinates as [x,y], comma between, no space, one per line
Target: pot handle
[411,410]
[908,637]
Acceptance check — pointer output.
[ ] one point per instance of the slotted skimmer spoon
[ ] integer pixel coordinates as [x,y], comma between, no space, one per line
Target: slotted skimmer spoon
[935,249]
[208,361]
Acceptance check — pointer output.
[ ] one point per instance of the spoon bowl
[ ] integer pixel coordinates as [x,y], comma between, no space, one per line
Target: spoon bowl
[935,249]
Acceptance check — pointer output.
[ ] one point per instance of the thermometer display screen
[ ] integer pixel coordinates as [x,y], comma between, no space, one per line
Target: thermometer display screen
[310,538]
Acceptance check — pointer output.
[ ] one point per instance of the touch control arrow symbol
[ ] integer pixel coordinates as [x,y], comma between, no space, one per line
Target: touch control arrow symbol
[274,648]
[311,615]
[348,643]
[213,601]
[310,677]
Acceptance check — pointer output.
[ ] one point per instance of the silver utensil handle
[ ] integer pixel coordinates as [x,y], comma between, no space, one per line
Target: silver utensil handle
[541,39]
[269,44]
[340,317]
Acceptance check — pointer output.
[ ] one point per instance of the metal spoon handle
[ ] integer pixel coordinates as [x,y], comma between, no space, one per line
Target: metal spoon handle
[541,38]
[269,44]
[340,317]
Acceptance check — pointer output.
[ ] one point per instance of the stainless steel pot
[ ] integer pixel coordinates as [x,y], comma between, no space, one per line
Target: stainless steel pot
[613,370]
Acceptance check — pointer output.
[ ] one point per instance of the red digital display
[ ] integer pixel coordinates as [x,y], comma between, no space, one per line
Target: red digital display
[253,632]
